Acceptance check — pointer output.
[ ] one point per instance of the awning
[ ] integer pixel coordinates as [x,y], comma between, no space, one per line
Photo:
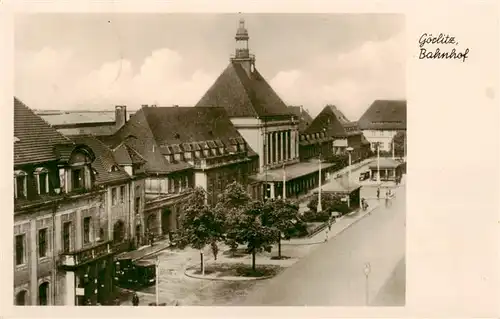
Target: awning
[292,171]
[340,186]
[385,163]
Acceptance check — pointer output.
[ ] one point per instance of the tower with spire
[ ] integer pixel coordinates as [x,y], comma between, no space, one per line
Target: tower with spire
[242,52]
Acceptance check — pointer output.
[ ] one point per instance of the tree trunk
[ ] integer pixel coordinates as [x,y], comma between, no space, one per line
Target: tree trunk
[253,259]
[279,245]
[202,263]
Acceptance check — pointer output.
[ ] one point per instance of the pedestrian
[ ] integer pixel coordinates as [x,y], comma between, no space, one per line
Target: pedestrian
[378,193]
[135,299]
[326,234]
[151,238]
[117,301]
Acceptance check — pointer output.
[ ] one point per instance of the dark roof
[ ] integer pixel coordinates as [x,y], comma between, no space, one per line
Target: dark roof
[177,125]
[327,120]
[304,117]
[243,95]
[384,162]
[104,161]
[338,113]
[34,138]
[384,115]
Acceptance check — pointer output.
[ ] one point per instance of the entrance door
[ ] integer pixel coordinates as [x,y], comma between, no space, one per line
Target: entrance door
[165,221]
[119,231]
[43,294]
[21,298]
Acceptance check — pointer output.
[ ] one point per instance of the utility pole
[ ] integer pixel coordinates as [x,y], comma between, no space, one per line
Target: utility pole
[378,162]
[157,281]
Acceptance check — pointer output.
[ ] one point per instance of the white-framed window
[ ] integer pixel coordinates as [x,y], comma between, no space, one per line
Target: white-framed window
[177,157]
[221,150]
[20,242]
[188,155]
[114,198]
[42,180]
[122,194]
[20,184]
[43,242]
[87,229]
[197,154]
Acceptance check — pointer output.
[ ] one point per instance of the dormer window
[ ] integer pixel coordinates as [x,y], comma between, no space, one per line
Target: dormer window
[214,151]
[177,156]
[188,155]
[169,158]
[197,154]
[78,178]
[20,184]
[221,150]
[42,180]
[114,168]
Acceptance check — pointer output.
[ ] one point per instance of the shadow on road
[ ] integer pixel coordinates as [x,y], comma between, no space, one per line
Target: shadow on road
[393,292]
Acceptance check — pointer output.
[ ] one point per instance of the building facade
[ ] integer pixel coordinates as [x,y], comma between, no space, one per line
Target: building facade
[382,121]
[63,249]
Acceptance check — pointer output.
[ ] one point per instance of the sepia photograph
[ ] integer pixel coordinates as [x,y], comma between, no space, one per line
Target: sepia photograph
[210,159]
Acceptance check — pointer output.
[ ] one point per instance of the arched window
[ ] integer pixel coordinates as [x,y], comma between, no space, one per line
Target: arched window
[119,231]
[42,180]
[20,184]
[21,298]
[43,293]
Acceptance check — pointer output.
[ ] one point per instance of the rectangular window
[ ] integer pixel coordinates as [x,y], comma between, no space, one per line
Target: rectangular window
[43,183]
[176,185]
[137,204]
[86,230]
[66,237]
[122,194]
[77,178]
[20,251]
[113,196]
[42,243]
[177,157]
[21,186]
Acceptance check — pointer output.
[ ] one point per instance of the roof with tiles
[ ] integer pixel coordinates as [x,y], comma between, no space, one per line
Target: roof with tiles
[334,123]
[384,115]
[105,164]
[34,139]
[243,94]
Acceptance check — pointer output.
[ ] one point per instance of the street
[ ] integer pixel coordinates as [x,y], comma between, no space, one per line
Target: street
[333,275]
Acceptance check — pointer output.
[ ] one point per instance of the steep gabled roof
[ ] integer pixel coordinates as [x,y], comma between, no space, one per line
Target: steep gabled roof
[105,164]
[304,117]
[34,139]
[338,113]
[327,120]
[384,115]
[243,95]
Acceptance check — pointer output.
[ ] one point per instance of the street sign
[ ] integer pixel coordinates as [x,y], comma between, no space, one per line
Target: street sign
[367,269]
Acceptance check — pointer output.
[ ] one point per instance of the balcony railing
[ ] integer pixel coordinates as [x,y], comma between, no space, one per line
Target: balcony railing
[79,257]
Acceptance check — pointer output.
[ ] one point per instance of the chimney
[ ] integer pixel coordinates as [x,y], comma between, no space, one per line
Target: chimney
[120,116]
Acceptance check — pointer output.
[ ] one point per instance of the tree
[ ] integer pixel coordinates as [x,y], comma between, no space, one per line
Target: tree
[250,227]
[329,203]
[399,143]
[202,225]
[230,204]
[283,216]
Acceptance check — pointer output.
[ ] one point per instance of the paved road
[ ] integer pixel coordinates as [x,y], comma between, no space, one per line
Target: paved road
[332,275]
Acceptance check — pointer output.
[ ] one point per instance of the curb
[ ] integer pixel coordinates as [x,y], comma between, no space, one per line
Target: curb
[341,231]
[200,277]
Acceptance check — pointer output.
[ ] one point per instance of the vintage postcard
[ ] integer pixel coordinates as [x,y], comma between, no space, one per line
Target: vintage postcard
[171,160]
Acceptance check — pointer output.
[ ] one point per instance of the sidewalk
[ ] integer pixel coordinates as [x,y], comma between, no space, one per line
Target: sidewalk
[341,224]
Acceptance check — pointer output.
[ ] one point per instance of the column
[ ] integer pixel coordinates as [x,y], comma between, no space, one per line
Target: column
[275,143]
[262,157]
[285,144]
[268,148]
[32,261]
[272,190]
[78,230]
[158,217]
[296,143]
[282,140]
[131,209]
[292,144]
[69,278]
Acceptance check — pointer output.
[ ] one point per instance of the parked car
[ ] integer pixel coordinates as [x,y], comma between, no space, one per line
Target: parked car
[134,274]
[364,176]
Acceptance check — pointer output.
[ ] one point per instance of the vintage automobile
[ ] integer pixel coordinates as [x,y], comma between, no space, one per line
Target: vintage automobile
[134,274]
[364,176]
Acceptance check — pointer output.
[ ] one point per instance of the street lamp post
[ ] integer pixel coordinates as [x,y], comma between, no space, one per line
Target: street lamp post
[157,280]
[367,271]
[349,150]
[319,208]
[378,162]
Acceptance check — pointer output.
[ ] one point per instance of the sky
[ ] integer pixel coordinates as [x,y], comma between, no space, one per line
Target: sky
[93,61]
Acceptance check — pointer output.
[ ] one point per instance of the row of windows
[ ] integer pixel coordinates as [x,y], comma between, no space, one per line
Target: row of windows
[278,147]
[43,240]
[212,152]
[308,137]
[41,175]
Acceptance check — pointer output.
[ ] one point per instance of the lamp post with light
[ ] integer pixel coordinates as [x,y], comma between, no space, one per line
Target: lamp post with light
[349,150]
[367,270]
